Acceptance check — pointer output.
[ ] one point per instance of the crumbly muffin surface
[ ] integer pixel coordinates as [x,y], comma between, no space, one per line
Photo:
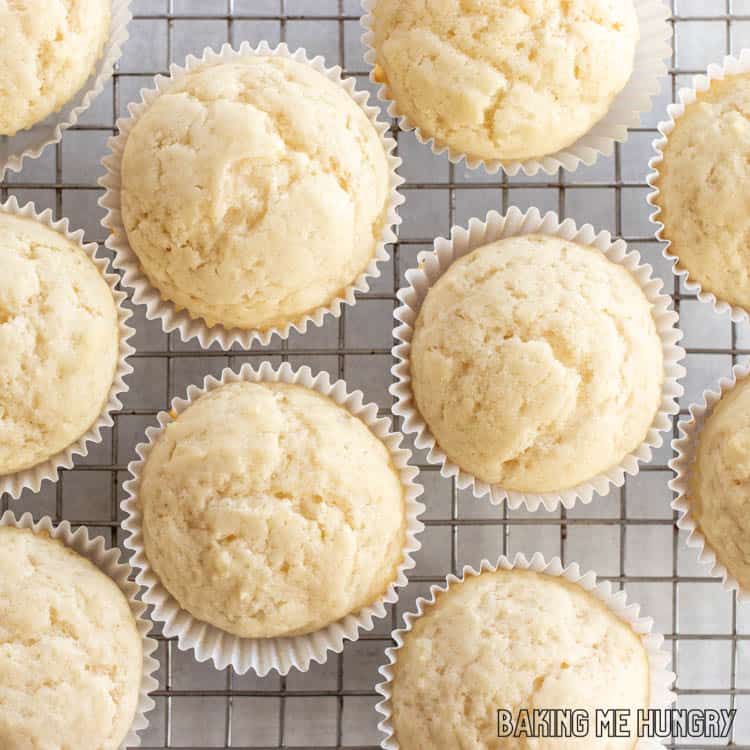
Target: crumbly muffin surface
[719,486]
[270,510]
[59,340]
[71,656]
[48,49]
[505,79]
[507,641]
[703,190]
[536,363]
[254,192]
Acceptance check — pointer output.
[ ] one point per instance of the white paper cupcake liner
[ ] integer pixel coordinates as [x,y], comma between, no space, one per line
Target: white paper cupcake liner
[33,477]
[432,265]
[684,447]
[107,560]
[649,67]
[266,654]
[729,67]
[31,142]
[181,320]
[660,678]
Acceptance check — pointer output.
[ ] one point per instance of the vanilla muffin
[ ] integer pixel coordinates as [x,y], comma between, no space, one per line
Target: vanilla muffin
[59,340]
[48,49]
[704,190]
[254,192]
[536,363]
[513,640]
[507,80]
[71,656]
[269,510]
[719,482]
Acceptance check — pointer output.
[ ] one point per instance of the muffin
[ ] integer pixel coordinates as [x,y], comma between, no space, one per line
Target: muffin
[71,656]
[506,80]
[59,340]
[719,482]
[703,196]
[254,192]
[268,510]
[48,49]
[511,640]
[536,363]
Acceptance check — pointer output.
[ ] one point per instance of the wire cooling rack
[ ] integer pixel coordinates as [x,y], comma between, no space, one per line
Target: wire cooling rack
[629,537]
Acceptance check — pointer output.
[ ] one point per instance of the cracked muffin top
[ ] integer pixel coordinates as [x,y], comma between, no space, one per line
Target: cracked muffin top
[511,640]
[719,482]
[254,192]
[536,363]
[59,342]
[71,655]
[504,79]
[270,510]
[703,198]
[48,49]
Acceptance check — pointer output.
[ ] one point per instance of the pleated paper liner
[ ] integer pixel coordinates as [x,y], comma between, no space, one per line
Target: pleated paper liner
[266,654]
[432,265]
[729,67]
[30,143]
[181,320]
[32,478]
[684,447]
[660,678]
[107,560]
[653,51]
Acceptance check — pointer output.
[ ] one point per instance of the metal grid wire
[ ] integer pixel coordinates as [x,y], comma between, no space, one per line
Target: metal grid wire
[630,537]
